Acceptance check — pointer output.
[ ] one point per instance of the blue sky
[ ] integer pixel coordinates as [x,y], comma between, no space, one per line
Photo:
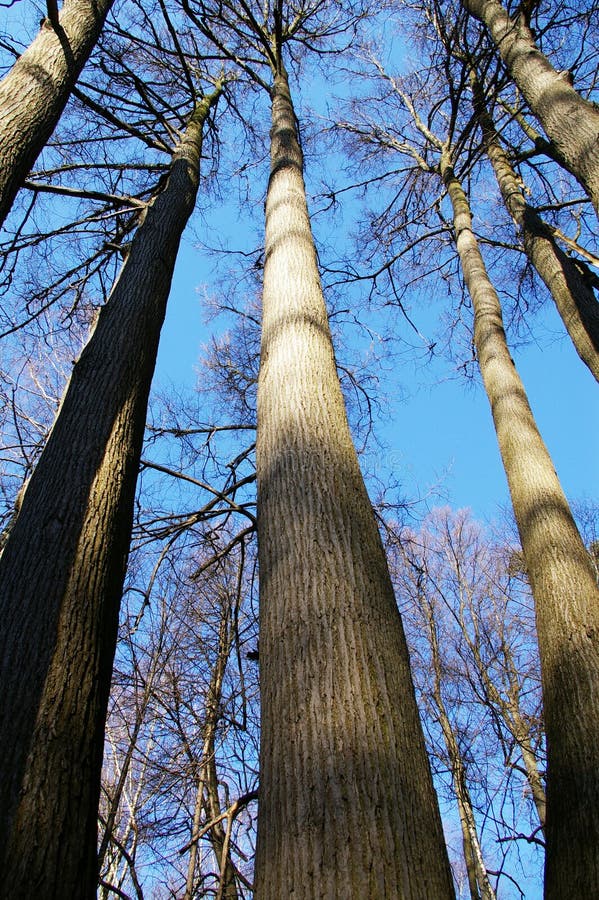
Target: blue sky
[437,430]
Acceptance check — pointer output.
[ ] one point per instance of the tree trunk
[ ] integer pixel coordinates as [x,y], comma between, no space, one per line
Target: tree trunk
[570,122]
[563,585]
[347,806]
[35,91]
[62,569]
[207,784]
[574,297]
[478,878]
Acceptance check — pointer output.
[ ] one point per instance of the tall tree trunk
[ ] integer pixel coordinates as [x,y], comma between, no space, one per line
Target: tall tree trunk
[573,294]
[62,569]
[35,91]
[347,806]
[563,585]
[570,122]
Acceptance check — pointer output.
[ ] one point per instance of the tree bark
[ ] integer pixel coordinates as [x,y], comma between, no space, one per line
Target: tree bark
[574,297]
[35,91]
[563,585]
[570,122]
[62,569]
[347,806]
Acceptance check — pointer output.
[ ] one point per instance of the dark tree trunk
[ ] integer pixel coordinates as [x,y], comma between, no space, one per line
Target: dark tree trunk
[35,91]
[62,569]
[347,806]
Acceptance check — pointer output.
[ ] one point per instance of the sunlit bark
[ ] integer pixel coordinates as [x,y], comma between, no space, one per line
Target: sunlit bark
[35,91]
[347,807]
[562,581]
[573,295]
[569,121]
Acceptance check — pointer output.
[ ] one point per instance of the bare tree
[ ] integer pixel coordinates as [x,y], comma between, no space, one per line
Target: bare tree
[562,579]
[60,608]
[470,626]
[340,729]
[35,91]
[570,121]
[561,575]
[571,282]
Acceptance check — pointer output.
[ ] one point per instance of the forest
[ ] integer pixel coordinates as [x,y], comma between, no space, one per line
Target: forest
[243,652]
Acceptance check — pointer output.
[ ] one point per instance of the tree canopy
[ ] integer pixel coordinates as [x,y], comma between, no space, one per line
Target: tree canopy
[366,227]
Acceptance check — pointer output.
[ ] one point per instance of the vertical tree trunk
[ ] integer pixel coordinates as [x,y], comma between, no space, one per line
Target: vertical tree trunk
[35,91]
[563,585]
[478,879]
[347,807]
[570,122]
[573,295]
[207,795]
[62,569]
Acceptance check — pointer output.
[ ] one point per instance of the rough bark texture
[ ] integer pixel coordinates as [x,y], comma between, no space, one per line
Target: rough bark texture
[573,295]
[35,91]
[62,569]
[347,807]
[570,122]
[563,585]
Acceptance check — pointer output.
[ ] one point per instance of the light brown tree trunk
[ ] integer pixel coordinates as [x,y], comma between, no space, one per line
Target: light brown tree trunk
[347,807]
[62,569]
[570,122]
[563,586]
[35,91]
[574,297]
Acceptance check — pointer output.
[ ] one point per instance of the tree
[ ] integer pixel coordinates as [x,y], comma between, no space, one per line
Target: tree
[337,698]
[570,281]
[570,122]
[470,627]
[35,91]
[340,733]
[561,575]
[172,778]
[60,609]
[562,580]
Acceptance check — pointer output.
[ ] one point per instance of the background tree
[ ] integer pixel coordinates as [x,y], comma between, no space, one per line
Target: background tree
[35,91]
[79,506]
[470,626]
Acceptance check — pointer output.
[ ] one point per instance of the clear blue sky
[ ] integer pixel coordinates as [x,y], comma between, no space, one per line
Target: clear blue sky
[439,432]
